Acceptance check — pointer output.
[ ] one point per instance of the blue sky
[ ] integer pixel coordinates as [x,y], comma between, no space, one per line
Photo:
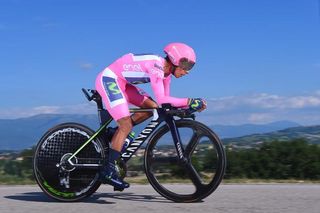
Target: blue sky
[258,61]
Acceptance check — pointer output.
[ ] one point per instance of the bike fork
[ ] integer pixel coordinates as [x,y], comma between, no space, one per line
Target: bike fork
[177,139]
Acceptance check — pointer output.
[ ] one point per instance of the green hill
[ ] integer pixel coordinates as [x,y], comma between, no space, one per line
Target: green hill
[310,133]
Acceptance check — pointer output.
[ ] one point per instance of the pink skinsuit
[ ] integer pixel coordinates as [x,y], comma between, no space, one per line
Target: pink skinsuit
[115,83]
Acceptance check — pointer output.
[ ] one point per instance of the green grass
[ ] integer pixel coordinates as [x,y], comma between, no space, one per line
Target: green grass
[14,180]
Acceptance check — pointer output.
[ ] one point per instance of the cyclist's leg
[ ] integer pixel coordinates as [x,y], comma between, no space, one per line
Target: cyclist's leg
[141,99]
[124,128]
[111,88]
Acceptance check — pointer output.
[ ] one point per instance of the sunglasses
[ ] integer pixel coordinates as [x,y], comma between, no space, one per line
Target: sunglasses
[185,64]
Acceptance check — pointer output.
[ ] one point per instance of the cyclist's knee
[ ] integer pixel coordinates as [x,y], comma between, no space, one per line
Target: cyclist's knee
[149,103]
[125,124]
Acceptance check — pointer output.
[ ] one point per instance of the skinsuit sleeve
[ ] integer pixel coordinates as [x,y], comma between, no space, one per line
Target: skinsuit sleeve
[161,89]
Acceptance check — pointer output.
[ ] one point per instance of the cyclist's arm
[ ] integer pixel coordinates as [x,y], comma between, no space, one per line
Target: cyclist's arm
[161,93]
[166,84]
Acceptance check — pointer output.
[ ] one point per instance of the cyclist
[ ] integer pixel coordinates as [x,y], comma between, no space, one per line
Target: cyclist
[116,85]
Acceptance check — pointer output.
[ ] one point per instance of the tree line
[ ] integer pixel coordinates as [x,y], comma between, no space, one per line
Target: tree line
[296,159]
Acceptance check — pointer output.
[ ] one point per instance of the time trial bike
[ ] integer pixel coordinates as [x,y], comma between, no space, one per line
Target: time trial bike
[69,156]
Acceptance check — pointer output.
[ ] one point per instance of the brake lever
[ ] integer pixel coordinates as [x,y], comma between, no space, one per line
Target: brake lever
[190,114]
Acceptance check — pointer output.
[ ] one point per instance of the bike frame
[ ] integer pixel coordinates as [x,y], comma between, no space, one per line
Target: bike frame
[163,114]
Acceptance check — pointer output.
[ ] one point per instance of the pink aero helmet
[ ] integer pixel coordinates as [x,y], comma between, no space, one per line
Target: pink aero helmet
[181,55]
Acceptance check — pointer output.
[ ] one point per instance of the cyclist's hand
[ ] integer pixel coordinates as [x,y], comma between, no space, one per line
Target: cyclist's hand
[197,104]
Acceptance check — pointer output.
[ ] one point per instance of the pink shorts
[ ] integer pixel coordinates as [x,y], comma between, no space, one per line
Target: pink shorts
[117,93]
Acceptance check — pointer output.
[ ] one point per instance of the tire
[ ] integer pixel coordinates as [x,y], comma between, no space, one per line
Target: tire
[200,176]
[64,182]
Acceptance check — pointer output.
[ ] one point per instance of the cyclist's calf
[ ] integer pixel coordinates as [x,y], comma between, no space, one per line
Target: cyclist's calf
[124,128]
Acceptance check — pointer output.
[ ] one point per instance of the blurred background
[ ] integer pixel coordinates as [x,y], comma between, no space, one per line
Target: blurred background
[258,66]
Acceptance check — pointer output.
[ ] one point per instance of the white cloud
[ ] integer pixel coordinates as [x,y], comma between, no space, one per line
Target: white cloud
[88,108]
[260,117]
[86,66]
[255,108]
[266,101]
[46,109]
[263,108]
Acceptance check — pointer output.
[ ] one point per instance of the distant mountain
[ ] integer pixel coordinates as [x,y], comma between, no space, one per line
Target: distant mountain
[232,131]
[309,133]
[18,134]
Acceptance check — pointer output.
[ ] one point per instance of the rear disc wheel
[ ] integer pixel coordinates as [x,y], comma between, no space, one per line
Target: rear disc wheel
[55,175]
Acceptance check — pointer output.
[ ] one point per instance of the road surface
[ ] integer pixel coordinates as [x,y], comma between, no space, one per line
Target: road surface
[264,198]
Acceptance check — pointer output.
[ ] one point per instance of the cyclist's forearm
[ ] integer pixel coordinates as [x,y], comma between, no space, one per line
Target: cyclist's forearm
[176,102]
[161,96]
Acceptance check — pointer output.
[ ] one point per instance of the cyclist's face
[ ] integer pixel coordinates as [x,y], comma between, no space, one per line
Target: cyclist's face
[179,72]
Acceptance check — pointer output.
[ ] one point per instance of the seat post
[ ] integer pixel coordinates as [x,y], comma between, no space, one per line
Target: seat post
[103,114]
